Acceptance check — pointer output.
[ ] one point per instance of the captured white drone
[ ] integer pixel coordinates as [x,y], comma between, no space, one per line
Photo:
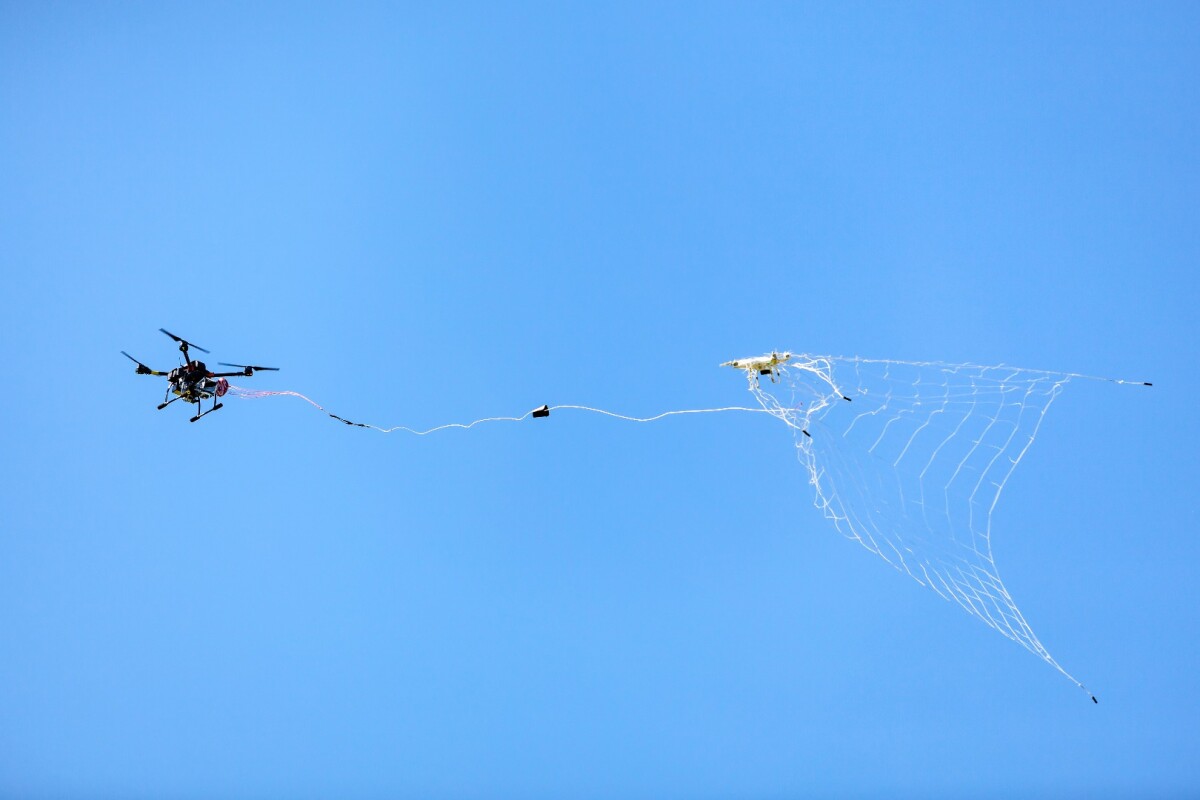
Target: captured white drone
[760,365]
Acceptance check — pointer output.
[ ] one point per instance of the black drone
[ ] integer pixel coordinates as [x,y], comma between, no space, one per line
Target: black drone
[192,381]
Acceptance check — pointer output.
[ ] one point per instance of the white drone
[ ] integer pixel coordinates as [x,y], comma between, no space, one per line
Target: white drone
[761,365]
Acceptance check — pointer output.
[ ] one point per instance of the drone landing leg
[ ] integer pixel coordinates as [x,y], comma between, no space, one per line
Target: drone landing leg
[216,405]
[161,406]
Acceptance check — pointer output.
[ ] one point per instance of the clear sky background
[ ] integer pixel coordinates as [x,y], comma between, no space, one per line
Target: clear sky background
[429,216]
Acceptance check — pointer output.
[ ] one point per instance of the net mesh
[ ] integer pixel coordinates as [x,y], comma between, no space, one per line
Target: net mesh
[909,460]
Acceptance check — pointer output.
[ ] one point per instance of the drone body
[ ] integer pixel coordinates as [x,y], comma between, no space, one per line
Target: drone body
[760,365]
[192,381]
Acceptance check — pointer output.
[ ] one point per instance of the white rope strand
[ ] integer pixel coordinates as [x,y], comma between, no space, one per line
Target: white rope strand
[664,414]
[944,365]
[243,393]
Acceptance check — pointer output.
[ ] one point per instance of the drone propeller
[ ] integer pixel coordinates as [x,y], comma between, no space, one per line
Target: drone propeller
[142,369]
[183,342]
[244,366]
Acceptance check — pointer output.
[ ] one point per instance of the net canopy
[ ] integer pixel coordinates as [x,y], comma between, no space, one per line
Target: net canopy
[909,460]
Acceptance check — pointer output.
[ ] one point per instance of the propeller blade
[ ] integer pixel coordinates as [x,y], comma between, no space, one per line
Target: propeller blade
[183,341]
[142,369]
[246,366]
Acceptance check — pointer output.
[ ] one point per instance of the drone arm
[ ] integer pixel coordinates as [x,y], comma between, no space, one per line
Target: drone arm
[246,373]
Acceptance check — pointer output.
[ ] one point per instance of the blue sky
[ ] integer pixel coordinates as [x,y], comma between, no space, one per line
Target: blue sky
[427,216]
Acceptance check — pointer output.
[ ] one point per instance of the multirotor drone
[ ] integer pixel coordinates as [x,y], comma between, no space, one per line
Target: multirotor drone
[191,381]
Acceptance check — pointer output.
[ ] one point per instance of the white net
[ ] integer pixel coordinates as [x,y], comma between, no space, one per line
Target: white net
[909,460]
